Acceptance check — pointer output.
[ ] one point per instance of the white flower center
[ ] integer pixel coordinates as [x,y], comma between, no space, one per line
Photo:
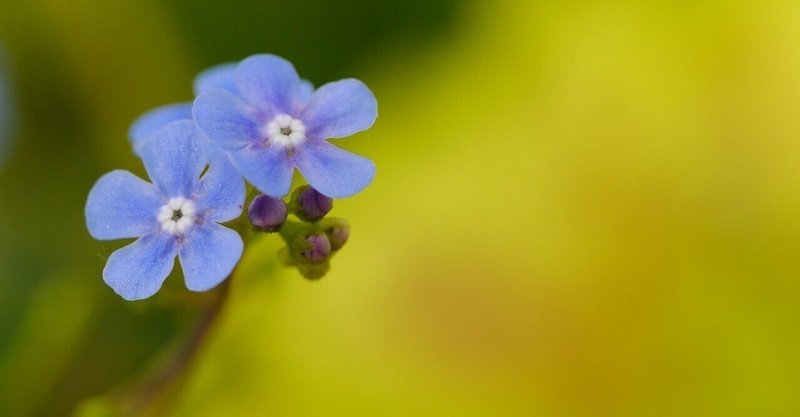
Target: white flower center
[286,131]
[177,216]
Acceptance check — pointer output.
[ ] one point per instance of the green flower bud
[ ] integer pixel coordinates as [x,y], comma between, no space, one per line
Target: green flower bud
[312,248]
[337,230]
[314,271]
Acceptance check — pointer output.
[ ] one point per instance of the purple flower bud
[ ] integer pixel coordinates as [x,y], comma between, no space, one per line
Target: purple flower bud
[309,204]
[295,258]
[337,230]
[313,248]
[266,213]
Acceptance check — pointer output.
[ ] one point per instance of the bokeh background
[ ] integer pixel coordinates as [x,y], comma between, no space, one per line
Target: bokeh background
[582,208]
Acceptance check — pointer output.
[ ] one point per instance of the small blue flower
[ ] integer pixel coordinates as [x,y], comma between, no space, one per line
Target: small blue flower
[177,215]
[216,77]
[276,122]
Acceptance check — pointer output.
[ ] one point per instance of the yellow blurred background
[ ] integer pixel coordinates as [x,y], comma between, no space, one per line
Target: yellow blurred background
[582,208]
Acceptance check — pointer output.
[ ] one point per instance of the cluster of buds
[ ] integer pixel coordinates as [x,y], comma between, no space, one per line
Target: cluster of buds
[312,241]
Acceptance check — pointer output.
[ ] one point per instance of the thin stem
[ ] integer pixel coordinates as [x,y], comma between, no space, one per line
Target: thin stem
[153,389]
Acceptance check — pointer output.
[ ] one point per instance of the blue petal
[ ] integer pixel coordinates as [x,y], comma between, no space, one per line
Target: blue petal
[120,205]
[209,255]
[155,119]
[216,77]
[268,169]
[340,109]
[174,158]
[305,91]
[222,191]
[269,83]
[137,271]
[225,119]
[333,171]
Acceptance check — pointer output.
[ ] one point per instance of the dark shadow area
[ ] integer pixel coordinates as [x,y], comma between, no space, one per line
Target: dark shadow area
[322,38]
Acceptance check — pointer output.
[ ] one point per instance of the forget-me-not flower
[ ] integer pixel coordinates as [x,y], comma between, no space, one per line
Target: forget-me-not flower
[216,77]
[176,215]
[274,122]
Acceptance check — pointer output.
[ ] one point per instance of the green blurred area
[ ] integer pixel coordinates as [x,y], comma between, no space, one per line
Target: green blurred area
[582,208]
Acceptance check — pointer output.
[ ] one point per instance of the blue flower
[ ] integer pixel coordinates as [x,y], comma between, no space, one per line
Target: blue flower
[217,77]
[276,122]
[177,215]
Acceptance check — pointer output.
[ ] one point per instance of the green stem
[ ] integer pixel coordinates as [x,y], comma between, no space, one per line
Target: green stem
[154,389]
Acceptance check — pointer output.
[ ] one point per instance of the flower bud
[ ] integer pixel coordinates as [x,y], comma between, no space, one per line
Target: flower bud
[267,214]
[309,204]
[307,270]
[337,231]
[314,271]
[313,248]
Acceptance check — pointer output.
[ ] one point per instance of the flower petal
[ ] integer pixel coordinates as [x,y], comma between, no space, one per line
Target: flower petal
[340,109]
[148,123]
[121,205]
[137,271]
[305,91]
[222,191]
[333,171]
[269,83]
[174,158]
[268,169]
[209,255]
[225,119]
[216,77]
